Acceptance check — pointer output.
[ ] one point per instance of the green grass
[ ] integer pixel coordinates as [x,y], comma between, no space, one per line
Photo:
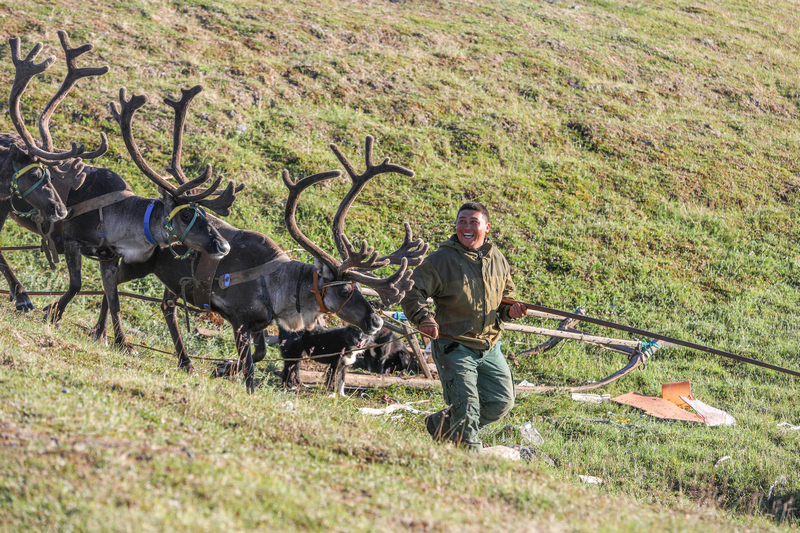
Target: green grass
[638,159]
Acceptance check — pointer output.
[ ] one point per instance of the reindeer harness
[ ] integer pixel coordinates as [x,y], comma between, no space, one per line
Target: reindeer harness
[319,293]
[15,186]
[104,252]
[168,226]
[48,244]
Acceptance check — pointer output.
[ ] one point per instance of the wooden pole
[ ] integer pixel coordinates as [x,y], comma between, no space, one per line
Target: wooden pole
[570,335]
[364,381]
[412,340]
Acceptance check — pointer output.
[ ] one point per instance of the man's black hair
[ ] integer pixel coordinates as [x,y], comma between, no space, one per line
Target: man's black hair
[474,206]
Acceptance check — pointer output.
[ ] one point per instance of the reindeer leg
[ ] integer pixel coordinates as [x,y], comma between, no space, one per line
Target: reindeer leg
[98,332]
[125,272]
[260,341]
[108,272]
[72,256]
[171,318]
[242,338]
[291,374]
[16,292]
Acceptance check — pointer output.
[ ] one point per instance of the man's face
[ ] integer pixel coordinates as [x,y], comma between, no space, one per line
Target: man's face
[471,228]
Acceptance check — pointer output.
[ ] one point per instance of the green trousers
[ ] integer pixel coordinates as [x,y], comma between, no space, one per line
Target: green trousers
[477,386]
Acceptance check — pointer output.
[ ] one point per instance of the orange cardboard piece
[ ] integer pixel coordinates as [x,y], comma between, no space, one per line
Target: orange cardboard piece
[658,407]
[674,391]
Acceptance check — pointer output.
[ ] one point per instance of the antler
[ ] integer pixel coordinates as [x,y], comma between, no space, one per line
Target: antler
[355,262]
[295,190]
[124,116]
[26,70]
[359,181]
[391,289]
[411,250]
[72,77]
[180,107]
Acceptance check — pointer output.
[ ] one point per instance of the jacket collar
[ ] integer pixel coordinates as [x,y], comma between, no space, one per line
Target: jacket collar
[470,254]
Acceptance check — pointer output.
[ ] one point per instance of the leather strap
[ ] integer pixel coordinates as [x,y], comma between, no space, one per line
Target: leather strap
[98,202]
[228,279]
[204,276]
[319,293]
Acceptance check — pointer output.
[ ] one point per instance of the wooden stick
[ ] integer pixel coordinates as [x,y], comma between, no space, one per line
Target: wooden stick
[570,335]
[412,340]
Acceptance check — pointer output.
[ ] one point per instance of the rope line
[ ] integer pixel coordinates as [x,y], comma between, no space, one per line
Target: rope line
[101,293]
[30,247]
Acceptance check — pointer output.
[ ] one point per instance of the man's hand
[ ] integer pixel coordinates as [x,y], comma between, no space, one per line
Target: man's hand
[517,310]
[429,328]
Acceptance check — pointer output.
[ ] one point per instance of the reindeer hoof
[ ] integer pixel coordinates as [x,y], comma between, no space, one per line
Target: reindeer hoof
[23,303]
[126,348]
[49,314]
[97,334]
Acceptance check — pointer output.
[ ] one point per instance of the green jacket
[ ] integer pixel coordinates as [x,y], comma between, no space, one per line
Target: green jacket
[467,287]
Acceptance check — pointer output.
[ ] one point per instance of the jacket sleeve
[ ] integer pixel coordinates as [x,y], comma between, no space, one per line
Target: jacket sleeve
[426,285]
[509,291]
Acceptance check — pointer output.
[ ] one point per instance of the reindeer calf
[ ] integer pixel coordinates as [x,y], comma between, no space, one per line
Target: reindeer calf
[335,345]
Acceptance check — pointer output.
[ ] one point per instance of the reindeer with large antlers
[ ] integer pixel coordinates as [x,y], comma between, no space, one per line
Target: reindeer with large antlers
[27,192]
[108,222]
[257,283]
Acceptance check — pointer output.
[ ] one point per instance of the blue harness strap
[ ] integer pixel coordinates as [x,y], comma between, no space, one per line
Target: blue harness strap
[146,223]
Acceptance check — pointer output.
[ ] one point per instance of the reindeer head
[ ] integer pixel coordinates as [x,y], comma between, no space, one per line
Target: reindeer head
[337,287]
[186,219]
[28,176]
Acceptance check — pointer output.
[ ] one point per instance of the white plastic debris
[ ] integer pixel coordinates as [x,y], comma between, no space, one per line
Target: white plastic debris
[289,406]
[530,434]
[591,480]
[592,398]
[391,409]
[711,415]
[526,383]
[721,460]
[780,480]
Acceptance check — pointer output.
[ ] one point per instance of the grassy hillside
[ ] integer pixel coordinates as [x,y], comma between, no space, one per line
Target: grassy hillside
[638,160]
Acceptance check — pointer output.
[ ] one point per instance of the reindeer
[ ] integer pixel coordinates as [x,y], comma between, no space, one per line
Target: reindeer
[109,222]
[27,191]
[257,283]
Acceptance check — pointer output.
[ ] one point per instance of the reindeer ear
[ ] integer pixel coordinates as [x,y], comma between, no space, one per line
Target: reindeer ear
[18,155]
[167,199]
[327,272]
[72,172]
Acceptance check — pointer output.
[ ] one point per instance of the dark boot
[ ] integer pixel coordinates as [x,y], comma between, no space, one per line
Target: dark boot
[438,424]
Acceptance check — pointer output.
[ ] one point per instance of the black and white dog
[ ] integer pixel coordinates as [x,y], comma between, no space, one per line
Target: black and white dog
[340,347]
[389,354]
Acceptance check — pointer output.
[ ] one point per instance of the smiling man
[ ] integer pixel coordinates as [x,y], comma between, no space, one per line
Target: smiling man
[467,278]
